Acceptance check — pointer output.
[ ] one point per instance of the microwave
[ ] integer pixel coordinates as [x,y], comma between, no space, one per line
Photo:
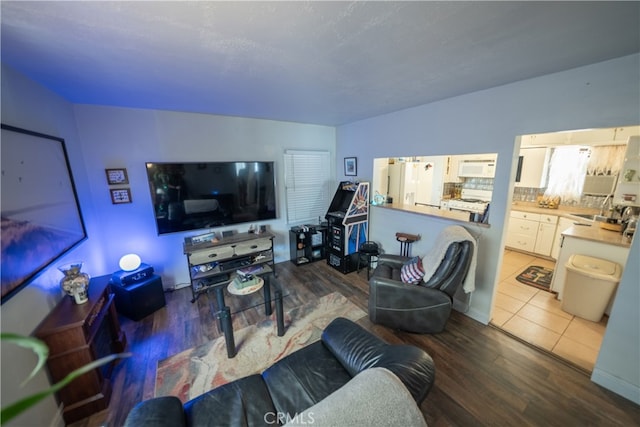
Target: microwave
[477,168]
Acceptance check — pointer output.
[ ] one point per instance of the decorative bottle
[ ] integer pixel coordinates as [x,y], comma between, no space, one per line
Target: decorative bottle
[75,283]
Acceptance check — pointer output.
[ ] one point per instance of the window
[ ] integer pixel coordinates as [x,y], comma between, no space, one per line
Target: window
[567,170]
[307,176]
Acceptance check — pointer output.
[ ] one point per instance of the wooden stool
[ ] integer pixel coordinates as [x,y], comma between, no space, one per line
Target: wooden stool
[406,240]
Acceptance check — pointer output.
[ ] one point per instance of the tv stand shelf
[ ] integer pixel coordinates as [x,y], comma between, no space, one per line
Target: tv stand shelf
[213,264]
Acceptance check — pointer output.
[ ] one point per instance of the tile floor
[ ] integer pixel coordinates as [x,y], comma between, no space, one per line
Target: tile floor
[535,315]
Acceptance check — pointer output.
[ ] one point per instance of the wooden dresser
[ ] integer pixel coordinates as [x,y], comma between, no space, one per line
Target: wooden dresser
[76,335]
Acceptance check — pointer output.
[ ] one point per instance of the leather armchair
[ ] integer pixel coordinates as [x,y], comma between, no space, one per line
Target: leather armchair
[421,308]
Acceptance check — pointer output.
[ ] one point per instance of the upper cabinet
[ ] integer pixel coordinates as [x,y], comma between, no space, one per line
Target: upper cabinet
[532,167]
[586,137]
[628,188]
[451,169]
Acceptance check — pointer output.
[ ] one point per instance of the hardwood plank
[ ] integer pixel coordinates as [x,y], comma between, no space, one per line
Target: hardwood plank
[483,375]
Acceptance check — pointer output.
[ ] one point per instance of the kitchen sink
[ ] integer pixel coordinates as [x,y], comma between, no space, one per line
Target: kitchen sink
[590,217]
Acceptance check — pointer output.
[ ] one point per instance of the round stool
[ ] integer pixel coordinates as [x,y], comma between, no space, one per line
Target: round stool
[406,240]
[368,250]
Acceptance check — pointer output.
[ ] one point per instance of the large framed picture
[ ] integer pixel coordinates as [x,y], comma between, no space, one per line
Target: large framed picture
[350,166]
[41,217]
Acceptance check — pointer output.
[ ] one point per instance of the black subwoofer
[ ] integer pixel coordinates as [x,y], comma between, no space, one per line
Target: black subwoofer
[140,299]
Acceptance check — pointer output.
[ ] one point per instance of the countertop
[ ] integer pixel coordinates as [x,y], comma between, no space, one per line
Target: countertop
[591,232]
[563,211]
[596,234]
[431,211]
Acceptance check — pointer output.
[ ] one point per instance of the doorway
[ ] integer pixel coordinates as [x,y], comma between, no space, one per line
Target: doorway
[536,317]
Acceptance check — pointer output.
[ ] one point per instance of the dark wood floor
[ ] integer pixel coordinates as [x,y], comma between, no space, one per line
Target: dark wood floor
[483,376]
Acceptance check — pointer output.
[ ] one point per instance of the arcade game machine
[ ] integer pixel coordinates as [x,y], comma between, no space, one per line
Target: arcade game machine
[347,222]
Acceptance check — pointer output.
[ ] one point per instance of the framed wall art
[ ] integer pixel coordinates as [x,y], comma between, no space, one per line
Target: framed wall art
[41,217]
[117,176]
[120,195]
[350,166]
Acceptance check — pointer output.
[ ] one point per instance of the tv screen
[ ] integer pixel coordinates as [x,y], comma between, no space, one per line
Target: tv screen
[193,196]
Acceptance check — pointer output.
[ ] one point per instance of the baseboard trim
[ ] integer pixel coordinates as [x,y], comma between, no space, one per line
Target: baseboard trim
[617,385]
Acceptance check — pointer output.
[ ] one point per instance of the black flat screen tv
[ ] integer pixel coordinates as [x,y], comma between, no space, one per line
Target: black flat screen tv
[194,196]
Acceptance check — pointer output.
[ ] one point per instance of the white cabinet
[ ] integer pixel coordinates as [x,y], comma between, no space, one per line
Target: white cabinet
[451,169]
[628,189]
[545,238]
[531,232]
[532,167]
[522,231]
[623,134]
[563,224]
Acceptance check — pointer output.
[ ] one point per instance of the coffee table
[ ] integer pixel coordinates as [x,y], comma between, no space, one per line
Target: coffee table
[230,301]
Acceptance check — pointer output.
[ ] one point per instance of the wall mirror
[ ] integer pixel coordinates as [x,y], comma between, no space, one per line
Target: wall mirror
[458,187]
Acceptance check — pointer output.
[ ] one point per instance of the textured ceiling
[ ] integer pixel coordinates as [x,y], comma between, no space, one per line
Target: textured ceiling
[312,62]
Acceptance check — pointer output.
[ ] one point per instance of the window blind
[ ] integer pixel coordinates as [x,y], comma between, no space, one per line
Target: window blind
[307,177]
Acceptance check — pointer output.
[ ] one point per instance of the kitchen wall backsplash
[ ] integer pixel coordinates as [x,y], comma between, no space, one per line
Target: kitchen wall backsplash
[453,189]
[529,194]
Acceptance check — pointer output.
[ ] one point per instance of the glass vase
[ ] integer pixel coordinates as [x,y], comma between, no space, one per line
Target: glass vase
[75,283]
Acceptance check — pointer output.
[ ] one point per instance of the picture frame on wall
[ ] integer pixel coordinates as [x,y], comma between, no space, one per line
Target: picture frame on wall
[120,195]
[41,215]
[350,166]
[117,176]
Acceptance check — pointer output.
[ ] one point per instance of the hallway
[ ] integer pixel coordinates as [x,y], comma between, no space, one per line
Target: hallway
[535,315]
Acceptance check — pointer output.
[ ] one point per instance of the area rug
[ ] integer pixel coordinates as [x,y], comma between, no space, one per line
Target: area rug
[536,276]
[192,372]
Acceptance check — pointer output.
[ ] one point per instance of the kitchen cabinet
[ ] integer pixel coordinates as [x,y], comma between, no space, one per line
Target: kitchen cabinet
[623,134]
[451,169]
[546,235]
[627,190]
[531,232]
[533,167]
[563,224]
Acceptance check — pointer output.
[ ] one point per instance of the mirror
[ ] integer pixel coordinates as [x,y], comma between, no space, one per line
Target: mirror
[457,187]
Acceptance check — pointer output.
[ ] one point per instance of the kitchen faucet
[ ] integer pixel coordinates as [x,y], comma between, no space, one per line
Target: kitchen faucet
[607,200]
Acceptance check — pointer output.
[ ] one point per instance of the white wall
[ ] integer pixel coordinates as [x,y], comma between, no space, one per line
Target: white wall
[600,95]
[30,106]
[102,137]
[127,138]
[618,364]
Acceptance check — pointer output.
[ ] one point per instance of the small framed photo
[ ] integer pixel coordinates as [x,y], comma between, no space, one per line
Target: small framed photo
[117,176]
[350,166]
[120,195]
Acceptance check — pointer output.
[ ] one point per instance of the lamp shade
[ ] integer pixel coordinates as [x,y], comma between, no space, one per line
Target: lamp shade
[129,262]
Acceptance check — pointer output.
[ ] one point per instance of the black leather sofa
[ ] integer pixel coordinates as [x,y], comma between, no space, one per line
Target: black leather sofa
[294,383]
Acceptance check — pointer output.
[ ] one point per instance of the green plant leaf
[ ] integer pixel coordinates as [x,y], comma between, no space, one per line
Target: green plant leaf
[34,344]
[22,405]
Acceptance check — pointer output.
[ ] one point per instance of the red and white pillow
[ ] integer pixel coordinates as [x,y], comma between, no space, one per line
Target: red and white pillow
[412,271]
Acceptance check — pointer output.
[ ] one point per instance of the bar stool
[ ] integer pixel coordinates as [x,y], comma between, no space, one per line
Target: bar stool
[406,240]
[368,250]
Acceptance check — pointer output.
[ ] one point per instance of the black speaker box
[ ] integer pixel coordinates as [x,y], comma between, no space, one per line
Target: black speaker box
[140,299]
